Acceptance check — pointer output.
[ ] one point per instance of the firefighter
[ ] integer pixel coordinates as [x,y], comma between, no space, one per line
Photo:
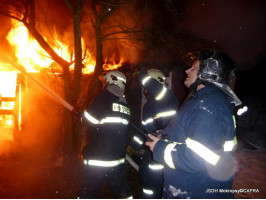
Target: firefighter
[106,119]
[160,108]
[197,155]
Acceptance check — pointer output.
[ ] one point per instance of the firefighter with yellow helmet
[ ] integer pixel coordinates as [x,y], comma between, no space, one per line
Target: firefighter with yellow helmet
[160,108]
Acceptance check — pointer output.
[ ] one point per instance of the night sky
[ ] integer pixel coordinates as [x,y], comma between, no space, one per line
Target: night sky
[238,26]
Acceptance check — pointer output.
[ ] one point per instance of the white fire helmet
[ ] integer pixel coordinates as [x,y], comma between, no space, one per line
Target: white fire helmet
[157,74]
[116,78]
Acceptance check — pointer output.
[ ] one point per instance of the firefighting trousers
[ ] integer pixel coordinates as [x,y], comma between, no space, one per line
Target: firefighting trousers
[95,177]
[151,176]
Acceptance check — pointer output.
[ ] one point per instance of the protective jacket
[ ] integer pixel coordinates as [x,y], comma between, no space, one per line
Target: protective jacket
[197,153]
[107,119]
[159,109]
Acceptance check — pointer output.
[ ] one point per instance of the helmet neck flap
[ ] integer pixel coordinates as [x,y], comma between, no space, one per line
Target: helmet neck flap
[115,90]
[224,87]
[216,69]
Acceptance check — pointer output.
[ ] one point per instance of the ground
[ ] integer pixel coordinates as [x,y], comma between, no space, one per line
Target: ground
[251,174]
[29,173]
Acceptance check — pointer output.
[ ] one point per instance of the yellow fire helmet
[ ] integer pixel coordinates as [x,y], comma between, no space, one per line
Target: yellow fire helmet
[157,74]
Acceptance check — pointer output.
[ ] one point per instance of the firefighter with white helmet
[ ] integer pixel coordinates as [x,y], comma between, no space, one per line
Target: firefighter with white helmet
[160,108]
[116,78]
[106,120]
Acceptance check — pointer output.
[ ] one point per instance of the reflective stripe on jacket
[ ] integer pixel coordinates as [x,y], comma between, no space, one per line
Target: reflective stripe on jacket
[197,155]
[106,120]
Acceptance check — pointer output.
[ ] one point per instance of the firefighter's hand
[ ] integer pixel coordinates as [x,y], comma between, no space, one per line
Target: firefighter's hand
[152,143]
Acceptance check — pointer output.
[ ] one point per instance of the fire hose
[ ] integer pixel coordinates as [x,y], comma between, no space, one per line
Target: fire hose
[71,108]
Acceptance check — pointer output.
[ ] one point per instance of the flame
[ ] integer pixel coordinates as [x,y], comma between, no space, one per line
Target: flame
[8,82]
[111,65]
[28,51]
[33,57]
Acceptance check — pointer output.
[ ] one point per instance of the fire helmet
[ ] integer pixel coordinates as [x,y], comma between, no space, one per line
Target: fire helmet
[116,78]
[216,68]
[157,74]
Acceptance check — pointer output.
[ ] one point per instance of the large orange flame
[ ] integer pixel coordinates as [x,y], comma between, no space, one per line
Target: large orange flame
[33,58]
[28,51]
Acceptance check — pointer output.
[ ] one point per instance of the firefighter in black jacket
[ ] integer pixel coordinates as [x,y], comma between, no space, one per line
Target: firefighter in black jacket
[106,119]
[160,108]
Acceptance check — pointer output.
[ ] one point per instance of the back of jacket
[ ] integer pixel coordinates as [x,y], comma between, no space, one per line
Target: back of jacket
[157,112]
[107,120]
[198,156]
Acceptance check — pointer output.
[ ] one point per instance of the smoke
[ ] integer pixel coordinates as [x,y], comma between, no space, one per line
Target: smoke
[5,146]
[41,115]
[32,162]
[41,129]
[124,43]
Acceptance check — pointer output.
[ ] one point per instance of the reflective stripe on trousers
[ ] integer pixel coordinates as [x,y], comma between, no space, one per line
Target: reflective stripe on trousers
[102,163]
[156,166]
[146,191]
